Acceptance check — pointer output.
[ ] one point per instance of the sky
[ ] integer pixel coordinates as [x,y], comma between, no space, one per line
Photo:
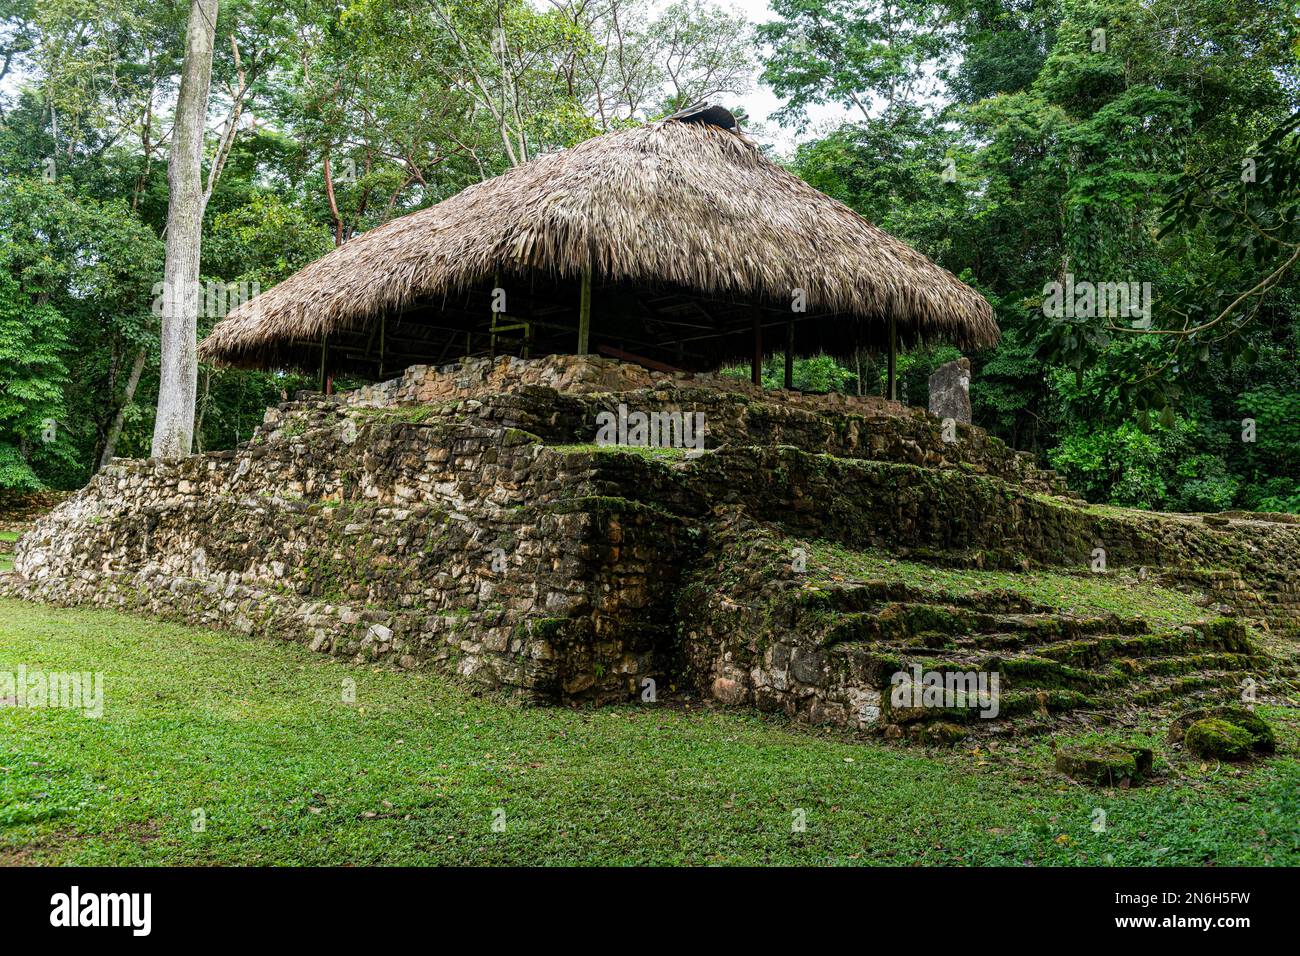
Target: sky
[761,102]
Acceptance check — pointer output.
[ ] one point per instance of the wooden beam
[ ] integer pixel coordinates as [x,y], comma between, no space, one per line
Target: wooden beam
[789,353]
[649,363]
[737,330]
[492,316]
[584,313]
[756,365]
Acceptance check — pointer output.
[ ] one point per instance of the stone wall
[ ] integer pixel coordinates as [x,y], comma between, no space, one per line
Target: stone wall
[463,519]
[559,398]
[408,542]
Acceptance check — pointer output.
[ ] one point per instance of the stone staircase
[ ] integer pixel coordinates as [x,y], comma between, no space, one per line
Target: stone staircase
[850,651]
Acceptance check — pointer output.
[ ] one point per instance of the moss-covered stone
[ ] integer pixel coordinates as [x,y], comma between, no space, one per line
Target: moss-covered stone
[1100,764]
[941,733]
[1216,739]
[1143,758]
[466,507]
[1261,734]
[1262,739]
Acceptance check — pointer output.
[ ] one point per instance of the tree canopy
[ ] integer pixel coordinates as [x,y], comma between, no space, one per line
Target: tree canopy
[1119,178]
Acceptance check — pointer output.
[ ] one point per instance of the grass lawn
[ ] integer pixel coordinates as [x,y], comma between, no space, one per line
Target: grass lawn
[7,539]
[257,736]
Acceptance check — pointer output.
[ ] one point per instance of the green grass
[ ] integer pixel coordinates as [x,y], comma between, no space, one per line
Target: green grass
[7,553]
[413,414]
[256,734]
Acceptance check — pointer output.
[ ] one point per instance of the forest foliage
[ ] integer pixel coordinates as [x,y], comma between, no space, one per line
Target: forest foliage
[1019,143]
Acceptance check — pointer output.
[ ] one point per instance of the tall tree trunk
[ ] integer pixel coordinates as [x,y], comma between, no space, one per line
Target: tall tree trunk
[128,396]
[173,433]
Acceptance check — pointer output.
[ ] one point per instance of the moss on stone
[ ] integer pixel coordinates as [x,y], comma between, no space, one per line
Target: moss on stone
[518,436]
[1102,764]
[1262,739]
[404,414]
[638,451]
[1143,757]
[1216,739]
[941,733]
[605,505]
[548,629]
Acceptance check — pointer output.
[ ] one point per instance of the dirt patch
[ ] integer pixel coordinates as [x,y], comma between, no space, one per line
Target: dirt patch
[37,852]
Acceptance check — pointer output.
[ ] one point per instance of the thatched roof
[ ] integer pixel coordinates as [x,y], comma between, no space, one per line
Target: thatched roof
[686,205]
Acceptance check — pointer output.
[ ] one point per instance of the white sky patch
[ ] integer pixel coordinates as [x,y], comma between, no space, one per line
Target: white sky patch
[761,102]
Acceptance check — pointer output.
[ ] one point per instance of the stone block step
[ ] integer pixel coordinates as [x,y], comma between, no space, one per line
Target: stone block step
[928,623]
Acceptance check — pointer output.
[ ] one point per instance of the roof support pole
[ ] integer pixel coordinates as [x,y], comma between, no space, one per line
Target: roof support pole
[789,353]
[756,365]
[492,317]
[323,347]
[893,360]
[381,346]
[584,312]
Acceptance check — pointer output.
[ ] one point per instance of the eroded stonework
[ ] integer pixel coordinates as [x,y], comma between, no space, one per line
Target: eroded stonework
[463,518]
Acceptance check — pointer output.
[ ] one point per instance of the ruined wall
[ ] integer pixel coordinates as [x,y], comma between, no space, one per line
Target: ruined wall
[463,519]
[383,540]
[558,399]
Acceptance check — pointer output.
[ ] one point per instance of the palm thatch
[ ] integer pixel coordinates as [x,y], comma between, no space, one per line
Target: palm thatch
[673,204]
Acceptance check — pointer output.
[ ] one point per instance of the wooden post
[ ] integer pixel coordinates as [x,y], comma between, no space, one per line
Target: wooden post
[756,365]
[789,353]
[893,358]
[584,312]
[381,346]
[323,346]
[492,316]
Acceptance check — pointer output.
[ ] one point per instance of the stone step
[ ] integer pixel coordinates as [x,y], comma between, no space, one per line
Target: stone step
[867,594]
[1169,687]
[900,621]
[1046,703]
[1027,672]
[1218,635]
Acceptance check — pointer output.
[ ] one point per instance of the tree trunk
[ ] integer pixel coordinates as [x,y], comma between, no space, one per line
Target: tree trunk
[173,433]
[128,396]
